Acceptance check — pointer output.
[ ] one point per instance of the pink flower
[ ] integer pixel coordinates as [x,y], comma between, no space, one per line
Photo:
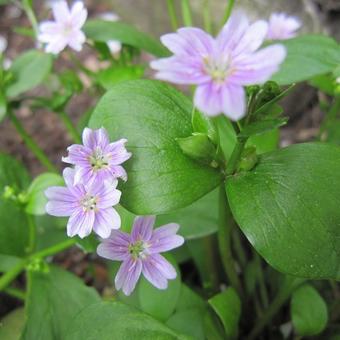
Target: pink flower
[221,66]
[89,206]
[140,253]
[282,26]
[98,159]
[66,29]
[114,46]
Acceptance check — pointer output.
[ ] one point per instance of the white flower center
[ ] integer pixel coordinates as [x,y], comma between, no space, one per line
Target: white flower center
[67,29]
[138,250]
[98,159]
[89,202]
[218,68]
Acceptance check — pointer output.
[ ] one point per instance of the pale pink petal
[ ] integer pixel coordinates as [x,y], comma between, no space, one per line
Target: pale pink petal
[105,221]
[113,251]
[208,99]
[60,208]
[95,138]
[60,194]
[107,196]
[78,14]
[157,270]
[76,40]
[252,39]
[128,275]
[142,228]
[118,152]
[60,11]
[80,223]
[56,45]
[68,175]
[259,67]
[165,238]
[234,101]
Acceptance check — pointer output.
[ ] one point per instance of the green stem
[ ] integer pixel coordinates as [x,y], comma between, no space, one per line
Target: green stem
[31,16]
[210,250]
[70,127]
[330,117]
[17,293]
[224,241]
[241,254]
[55,249]
[9,276]
[30,143]
[262,285]
[32,234]
[186,13]
[207,16]
[172,14]
[235,156]
[228,11]
[282,296]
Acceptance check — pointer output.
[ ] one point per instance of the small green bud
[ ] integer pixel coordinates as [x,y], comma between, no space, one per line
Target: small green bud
[38,265]
[270,90]
[252,90]
[199,147]
[248,159]
[8,193]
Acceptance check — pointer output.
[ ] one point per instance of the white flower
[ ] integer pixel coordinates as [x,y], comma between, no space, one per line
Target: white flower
[282,26]
[114,46]
[66,29]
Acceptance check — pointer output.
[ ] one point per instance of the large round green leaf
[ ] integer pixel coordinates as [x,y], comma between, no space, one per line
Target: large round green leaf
[304,61]
[54,299]
[151,115]
[288,207]
[13,221]
[114,320]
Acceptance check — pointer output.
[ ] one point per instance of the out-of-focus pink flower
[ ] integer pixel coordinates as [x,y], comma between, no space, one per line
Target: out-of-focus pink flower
[282,26]
[114,46]
[221,66]
[66,29]
[140,253]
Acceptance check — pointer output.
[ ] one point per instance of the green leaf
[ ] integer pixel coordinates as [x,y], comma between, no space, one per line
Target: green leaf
[227,306]
[304,61]
[36,199]
[159,303]
[196,220]
[101,30]
[3,106]
[13,221]
[189,315]
[12,325]
[107,320]
[29,70]
[59,296]
[262,126]
[325,82]
[202,124]
[294,194]
[152,115]
[116,74]
[7,262]
[265,142]
[308,311]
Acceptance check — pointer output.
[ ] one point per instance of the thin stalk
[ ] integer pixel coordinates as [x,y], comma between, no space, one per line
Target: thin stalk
[261,281]
[70,126]
[17,293]
[282,296]
[55,249]
[9,276]
[235,156]
[228,11]
[32,234]
[224,241]
[210,249]
[331,116]
[30,143]
[186,13]
[207,16]
[241,255]
[31,16]
[172,14]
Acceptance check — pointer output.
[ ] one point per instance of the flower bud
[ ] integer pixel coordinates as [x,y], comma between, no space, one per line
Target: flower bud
[248,159]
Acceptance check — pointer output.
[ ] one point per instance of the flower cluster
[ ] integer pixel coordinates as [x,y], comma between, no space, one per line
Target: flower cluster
[88,199]
[221,66]
[90,192]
